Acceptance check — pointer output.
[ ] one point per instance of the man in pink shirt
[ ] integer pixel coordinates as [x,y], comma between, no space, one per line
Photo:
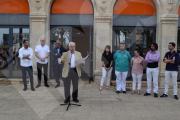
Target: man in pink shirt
[152,59]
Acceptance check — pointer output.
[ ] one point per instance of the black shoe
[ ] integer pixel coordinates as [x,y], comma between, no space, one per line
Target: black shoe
[57,85]
[155,95]
[124,92]
[38,85]
[147,94]
[76,100]
[46,85]
[66,101]
[32,88]
[164,95]
[176,97]
[24,89]
[117,92]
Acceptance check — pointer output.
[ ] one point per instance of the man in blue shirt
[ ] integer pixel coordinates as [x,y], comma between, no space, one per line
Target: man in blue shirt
[122,59]
[172,60]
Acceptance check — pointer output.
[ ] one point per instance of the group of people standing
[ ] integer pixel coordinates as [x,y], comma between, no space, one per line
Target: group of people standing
[123,61]
[42,52]
[64,65]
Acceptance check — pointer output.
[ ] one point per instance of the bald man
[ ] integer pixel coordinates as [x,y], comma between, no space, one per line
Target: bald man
[42,52]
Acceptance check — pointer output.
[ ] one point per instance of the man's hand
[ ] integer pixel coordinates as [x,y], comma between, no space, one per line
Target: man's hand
[63,60]
[82,64]
[42,59]
[26,56]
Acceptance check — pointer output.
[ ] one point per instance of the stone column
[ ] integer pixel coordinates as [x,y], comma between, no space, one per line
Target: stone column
[103,37]
[169,23]
[103,14]
[37,31]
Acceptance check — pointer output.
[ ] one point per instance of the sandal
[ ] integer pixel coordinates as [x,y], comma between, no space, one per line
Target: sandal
[139,93]
[132,93]
[100,88]
[107,87]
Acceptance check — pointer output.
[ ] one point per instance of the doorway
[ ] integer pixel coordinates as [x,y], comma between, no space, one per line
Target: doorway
[81,35]
[133,38]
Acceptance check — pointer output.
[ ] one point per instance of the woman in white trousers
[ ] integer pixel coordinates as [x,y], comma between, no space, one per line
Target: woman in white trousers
[107,61]
[137,64]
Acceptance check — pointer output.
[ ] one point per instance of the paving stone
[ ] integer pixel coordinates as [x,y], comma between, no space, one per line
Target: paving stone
[44,104]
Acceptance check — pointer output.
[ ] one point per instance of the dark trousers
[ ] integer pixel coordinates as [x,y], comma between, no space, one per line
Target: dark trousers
[67,83]
[39,70]
[58,72]
[30,72]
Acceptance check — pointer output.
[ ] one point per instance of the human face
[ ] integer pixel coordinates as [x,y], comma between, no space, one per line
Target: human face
[72,47]
[42,41]
[170,47]
[136,53]
[58,44]
[153,48]
[26,44]
[121,47]
[107,49]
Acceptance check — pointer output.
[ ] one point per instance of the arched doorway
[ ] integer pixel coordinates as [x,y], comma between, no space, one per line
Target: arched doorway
[14,28]
[134,23]
[72,20]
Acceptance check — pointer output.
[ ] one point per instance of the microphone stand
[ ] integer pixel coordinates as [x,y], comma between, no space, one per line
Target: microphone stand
[69,103]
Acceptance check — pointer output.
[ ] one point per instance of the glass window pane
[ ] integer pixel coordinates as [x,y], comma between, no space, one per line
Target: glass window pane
[62,34]
[19,34]
[123,36]
[4,52]
[144,38]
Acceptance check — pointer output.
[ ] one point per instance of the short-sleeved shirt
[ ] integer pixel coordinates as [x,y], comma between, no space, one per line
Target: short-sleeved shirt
[122,60]
[170,66]
[107,60]
[42,52]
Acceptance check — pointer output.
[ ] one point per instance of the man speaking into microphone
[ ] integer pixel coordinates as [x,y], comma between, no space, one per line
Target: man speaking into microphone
[71,71]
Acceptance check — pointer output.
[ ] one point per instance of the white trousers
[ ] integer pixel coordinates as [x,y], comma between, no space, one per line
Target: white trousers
[104,73]
[152,74]
[137,78]
[121,80]
[168,74]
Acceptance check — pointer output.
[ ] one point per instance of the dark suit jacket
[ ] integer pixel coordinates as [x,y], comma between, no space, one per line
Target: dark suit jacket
[55,57]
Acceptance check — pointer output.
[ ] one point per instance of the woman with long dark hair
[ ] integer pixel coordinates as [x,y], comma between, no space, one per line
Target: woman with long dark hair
[107,62]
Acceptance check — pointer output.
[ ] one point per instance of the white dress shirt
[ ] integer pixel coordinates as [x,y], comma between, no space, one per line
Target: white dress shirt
[73,62]
[42,52]
[23,52]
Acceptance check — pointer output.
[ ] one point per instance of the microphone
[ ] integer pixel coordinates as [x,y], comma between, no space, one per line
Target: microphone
[70,57]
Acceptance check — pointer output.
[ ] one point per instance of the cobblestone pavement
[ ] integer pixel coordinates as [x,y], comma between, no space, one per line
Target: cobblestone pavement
[43,104]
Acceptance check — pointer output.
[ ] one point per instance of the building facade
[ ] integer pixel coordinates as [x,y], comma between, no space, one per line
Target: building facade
[92,24]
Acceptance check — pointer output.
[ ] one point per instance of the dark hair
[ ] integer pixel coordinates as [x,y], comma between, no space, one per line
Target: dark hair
[24,41]
[139,47]
[121,43]
[173,44]
[138,51]
[107,46]
[155,45]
